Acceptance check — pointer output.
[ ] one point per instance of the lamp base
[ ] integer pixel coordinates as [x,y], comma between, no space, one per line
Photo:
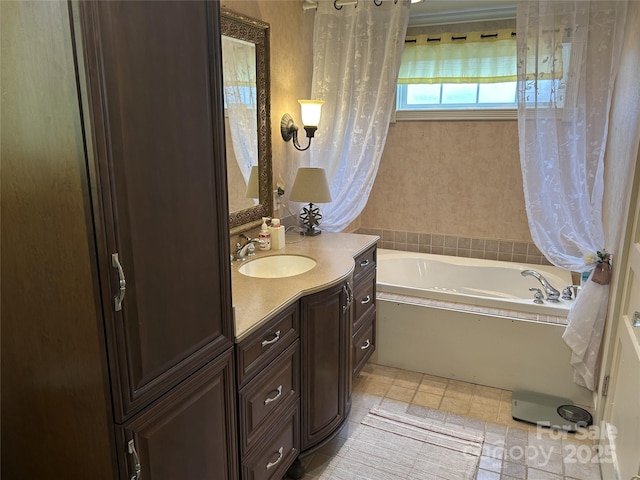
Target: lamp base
[311,232]
[310,217]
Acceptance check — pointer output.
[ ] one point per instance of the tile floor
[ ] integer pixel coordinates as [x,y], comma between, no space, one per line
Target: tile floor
[512,449]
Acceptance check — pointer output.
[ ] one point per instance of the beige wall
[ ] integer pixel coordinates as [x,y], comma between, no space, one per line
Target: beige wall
[458,178]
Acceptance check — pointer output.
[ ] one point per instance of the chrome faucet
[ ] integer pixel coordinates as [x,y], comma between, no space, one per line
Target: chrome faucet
[248,249]
[553,295]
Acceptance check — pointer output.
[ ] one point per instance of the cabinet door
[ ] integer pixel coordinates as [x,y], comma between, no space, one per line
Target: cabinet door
[189,433]
[325,327]
[154,93]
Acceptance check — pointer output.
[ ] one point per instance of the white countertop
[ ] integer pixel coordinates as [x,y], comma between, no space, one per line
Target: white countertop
[256,300]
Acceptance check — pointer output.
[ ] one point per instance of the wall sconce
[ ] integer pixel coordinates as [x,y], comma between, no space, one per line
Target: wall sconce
[310,186]
[310,119]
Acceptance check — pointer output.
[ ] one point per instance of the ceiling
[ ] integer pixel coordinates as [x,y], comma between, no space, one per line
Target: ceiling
[438,12]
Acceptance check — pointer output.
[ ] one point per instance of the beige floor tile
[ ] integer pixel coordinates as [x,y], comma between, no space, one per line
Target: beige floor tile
[408,379]
[400,393]
[458,395]
[459,386]
[435,378]
[376,387]
[454,405]
[453,401]
[489,393]
[426,399]
[488,413]
[434,387]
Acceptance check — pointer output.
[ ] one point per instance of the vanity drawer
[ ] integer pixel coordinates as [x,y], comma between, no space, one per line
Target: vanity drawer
[364,299]
[363,344]
[365,262]
[261,347]
[278,449]
[263,399]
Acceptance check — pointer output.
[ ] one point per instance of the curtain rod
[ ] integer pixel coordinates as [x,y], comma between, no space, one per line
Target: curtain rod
[337,4]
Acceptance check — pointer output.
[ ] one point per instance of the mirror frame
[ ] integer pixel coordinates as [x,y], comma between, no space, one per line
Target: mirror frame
[257,32]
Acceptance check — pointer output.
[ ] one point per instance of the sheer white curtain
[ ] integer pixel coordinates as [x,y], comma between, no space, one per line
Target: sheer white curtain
[239,77]
[563,127]
[356,59]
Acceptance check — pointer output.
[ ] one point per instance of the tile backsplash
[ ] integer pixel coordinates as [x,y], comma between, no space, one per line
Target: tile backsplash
[489,249]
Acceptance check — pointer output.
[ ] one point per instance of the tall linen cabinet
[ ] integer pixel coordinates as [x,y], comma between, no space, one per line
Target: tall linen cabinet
[117,334]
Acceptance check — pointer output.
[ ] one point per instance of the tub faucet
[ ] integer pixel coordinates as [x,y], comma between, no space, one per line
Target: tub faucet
[553,295]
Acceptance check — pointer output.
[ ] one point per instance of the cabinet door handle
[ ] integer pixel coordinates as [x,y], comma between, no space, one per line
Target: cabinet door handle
[136,459]
[117,300]
[273,340]
[277,396]
[366,345]
[280,455]
[364,263]
[365,300]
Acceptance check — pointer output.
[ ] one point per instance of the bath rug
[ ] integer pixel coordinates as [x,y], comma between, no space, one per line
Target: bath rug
[391,446]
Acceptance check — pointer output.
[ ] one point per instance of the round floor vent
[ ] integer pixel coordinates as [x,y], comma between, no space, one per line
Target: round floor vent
[575,414]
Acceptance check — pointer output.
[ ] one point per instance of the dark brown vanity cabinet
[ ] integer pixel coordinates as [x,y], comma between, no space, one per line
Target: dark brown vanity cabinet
[117,341]
[269,397]
[186,434]
[325,333]
[363,340]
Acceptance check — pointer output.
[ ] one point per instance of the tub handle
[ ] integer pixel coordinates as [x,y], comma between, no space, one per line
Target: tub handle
[366,345]
[365,300]
[538,297]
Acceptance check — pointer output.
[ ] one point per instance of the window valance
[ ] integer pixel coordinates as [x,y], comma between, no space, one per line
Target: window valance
[473,57]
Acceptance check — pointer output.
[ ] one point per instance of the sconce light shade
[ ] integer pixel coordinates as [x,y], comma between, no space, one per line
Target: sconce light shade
[310,186]
[310,119]
[252,185]
[310,110]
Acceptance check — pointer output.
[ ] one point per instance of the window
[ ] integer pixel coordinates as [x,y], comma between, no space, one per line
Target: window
[474,71]
[456,95]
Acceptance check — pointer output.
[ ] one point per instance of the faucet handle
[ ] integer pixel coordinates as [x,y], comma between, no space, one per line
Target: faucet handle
[537,297]
[567,293]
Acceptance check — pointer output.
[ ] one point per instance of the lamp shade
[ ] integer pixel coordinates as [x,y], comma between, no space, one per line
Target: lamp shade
[310,110]
[252,185]
[310,186]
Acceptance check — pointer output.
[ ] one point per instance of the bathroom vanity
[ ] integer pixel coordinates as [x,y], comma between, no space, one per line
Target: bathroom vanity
[300,342]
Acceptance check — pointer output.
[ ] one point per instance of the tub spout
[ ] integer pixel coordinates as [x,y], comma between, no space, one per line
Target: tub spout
[553,295]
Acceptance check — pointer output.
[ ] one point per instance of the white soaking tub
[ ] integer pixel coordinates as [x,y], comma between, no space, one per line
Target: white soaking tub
[474,320]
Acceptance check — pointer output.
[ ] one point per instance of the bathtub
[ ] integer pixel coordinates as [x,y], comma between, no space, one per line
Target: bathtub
[473,320]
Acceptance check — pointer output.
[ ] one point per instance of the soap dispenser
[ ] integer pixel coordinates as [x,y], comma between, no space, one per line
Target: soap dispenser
[264,236]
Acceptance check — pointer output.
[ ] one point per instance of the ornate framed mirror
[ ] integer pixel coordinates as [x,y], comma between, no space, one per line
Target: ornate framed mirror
[245,58]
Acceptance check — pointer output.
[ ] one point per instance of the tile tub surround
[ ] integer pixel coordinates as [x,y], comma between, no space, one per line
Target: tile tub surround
[512,449]
[439,244]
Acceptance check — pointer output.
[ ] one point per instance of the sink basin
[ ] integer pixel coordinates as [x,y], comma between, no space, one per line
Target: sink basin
[277,266]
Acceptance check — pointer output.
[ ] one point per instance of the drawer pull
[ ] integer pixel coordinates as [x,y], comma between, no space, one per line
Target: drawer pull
[280,455]
[273,399]
[366,345]
[138,468]
[273,340]
[364,263]
[365,300]
[122,283]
